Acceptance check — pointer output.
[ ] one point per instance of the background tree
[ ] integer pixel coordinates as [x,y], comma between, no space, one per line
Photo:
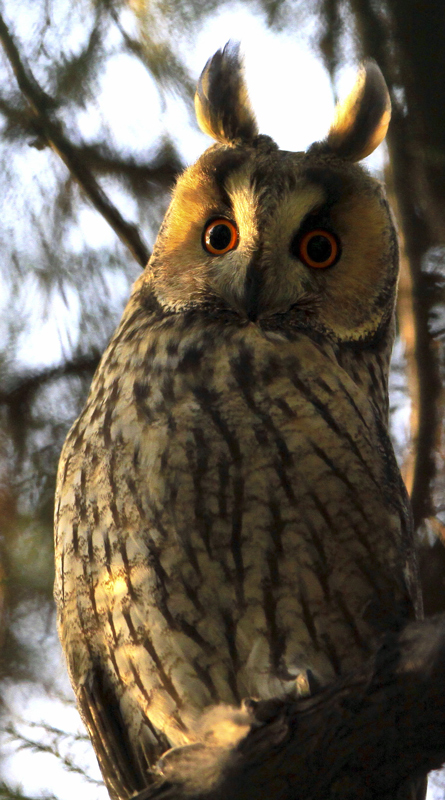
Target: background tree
[80,206]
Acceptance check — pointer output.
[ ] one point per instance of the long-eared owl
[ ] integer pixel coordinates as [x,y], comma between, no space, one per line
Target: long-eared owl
[230,518]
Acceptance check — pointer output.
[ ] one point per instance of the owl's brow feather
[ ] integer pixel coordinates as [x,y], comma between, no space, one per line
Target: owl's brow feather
[332,182]
[221,164]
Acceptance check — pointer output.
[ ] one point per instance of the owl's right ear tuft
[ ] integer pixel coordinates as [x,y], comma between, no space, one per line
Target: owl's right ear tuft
[222,102]
[361,120]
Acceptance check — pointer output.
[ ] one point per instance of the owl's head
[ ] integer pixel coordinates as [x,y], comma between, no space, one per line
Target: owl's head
[275,235]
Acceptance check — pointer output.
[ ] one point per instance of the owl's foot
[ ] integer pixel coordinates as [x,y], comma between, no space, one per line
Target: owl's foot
[216,732]
[174,759]
[198,766]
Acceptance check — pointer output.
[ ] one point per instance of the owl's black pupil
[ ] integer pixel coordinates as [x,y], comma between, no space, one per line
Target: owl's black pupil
[319,249]
[220,236]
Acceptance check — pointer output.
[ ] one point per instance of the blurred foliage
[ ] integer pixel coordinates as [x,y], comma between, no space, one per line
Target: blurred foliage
[52,278]
[64,279]
[65,275]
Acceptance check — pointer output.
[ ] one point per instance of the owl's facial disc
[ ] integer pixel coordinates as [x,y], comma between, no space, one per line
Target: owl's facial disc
[265,233]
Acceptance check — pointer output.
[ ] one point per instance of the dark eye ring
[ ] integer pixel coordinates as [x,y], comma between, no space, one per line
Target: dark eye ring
[219,236]
[318,248]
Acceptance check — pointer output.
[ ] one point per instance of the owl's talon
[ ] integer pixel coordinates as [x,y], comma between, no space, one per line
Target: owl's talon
[249,704]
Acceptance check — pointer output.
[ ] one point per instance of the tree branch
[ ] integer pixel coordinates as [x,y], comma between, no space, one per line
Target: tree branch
[22,390]
[41,104]
[161,171]
[424,369]
[360,738]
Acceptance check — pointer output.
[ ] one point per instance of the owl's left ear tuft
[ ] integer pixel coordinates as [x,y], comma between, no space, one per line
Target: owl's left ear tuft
[361,120]
[222,102]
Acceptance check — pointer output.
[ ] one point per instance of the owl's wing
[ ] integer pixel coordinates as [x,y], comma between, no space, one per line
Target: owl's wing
[121,768]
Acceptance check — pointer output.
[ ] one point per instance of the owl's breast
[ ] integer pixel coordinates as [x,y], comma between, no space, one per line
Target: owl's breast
[245,520]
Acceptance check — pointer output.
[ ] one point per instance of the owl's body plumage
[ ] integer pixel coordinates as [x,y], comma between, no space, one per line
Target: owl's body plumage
[230,519]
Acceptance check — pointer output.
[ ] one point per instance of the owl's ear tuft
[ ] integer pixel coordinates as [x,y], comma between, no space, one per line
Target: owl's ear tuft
[222,102]
[361,120]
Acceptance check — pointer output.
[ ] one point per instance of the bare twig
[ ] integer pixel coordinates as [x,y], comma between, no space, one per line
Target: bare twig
[23,742]
[8,792]
[51,129]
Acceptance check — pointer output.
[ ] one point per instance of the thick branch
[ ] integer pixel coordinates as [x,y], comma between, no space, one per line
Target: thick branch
[360,738]
[40,104]
[424,370]
[415,212]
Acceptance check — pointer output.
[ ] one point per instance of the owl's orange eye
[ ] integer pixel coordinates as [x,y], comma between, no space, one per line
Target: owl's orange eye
[220,236]
[318,249]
